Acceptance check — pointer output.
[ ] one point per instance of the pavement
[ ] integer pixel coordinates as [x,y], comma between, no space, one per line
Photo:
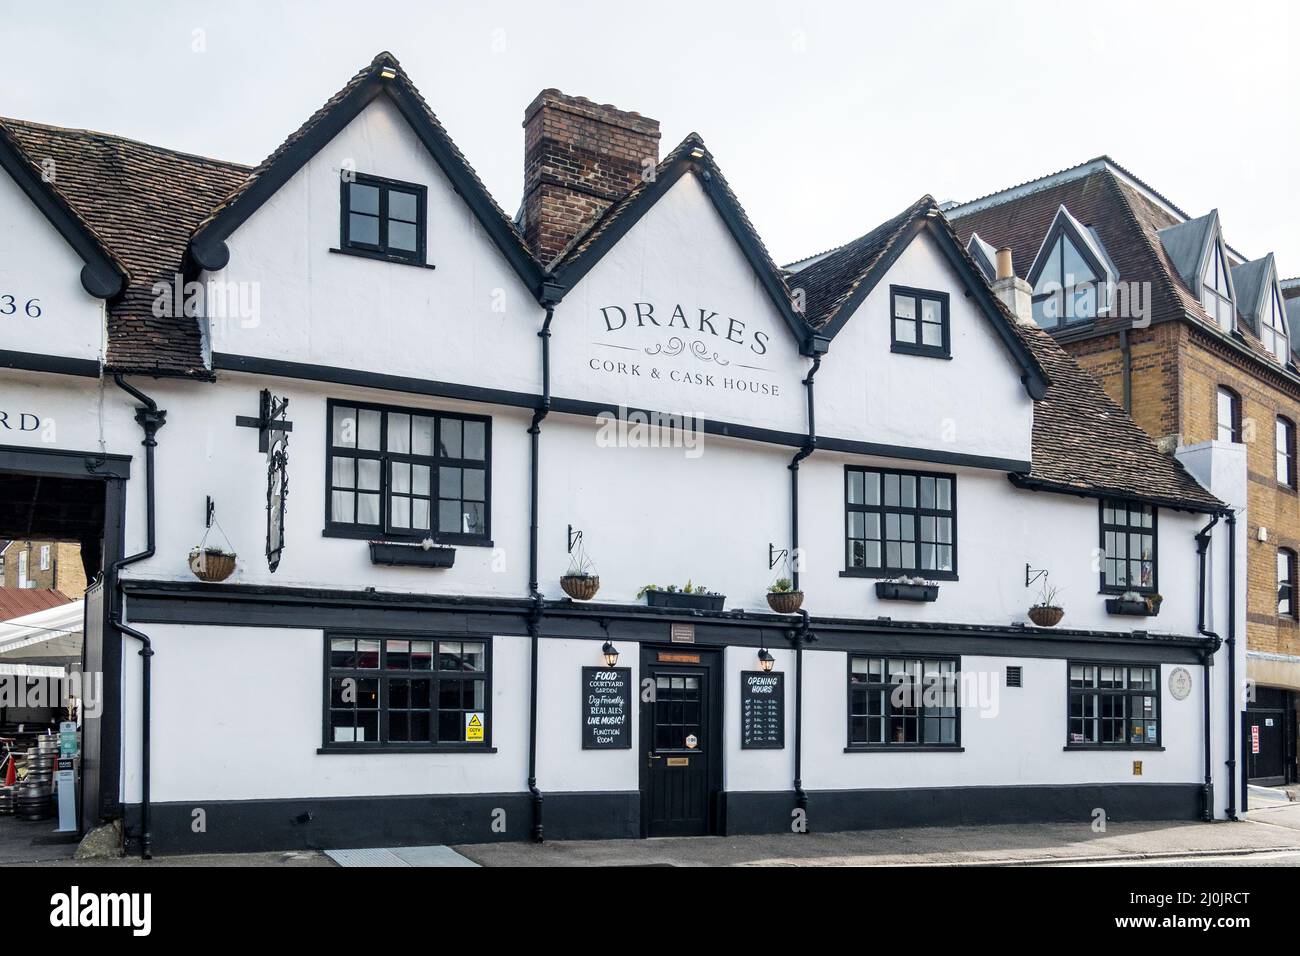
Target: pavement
[1268,836]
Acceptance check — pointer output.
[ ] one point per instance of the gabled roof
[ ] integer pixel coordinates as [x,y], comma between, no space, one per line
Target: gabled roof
[142,202]
[383,76]
[1253,282]
[103,275]
[692,157]
[837,283]
[1188,243]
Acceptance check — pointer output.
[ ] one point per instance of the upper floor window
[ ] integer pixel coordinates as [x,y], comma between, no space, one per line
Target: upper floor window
[1272,326]
[1067,287]
[407,473]
[1285,452]
[383,218]
[1216,289]
[1114,705]
[1286,596]
[1228,409]
[900,522]
[1128,542]
[920,325]
[903,702]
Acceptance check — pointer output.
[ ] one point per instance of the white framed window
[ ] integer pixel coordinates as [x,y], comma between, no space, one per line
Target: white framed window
[1216,289]
[45,557]
[22,569]
[1272,326]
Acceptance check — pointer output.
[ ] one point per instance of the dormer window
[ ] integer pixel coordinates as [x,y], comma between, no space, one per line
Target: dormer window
[1072,276]
[1216,290]
[1272,326]
[383,218]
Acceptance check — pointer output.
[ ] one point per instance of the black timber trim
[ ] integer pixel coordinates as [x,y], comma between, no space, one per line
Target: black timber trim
[1029,483]
[64,464]
[333,375]
[319,823]
[102,276]
[208,244]
[568,275]
[249,605]
[54,364]
[1034,376]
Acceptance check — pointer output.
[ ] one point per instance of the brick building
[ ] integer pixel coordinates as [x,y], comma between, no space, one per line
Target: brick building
[1192,337]
[52,565]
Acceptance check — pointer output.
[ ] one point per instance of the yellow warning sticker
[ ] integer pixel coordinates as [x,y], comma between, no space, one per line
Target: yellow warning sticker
[474,728]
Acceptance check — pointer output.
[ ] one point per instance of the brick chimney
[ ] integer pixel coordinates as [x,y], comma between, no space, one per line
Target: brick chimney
[1015,292]
[579,157]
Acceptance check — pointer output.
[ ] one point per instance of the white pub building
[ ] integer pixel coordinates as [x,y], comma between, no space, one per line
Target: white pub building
[419,524]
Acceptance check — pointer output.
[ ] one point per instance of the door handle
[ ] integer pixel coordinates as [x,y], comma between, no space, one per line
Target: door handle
[651,758]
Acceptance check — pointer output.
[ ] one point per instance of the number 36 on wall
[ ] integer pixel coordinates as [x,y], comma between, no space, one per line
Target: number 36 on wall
[9,306]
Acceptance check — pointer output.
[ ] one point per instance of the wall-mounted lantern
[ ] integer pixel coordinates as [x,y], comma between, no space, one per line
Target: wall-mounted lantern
[611,654]
[765,659]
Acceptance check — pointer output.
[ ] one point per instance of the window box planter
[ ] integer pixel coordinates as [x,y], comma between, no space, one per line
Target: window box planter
[898,591]
[680,599]
[580,587]
[1127,606]
[411,555]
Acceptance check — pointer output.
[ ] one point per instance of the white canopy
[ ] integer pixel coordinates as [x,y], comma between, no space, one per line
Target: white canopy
[53,632]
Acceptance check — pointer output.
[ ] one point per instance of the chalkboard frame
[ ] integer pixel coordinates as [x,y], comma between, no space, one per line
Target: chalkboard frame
[624,736]
[747,694]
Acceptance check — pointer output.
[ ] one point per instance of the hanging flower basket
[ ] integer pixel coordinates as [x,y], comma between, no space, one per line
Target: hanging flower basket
[1045,615]
[212,564]
[580,587]
[785,602]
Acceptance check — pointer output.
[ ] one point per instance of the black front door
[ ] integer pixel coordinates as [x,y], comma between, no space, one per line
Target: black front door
[681,734]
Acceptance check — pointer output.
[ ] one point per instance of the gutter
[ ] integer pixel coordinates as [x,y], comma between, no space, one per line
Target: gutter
[1232,665]
[538,606]
[150,418]
[1207,660]
[803,634]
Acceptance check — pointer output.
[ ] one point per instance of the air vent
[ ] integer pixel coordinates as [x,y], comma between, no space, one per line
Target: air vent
[1014,676]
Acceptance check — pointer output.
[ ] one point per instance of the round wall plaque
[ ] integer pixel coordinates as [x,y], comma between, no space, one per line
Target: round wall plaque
[1180,683]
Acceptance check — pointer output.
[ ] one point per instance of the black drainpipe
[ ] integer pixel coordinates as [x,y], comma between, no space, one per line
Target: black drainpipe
[535,612]
[1207,659]
[1232,665]
[151,418]
[803,634]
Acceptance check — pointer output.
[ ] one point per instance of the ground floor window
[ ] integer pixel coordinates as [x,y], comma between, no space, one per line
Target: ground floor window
[406,692]
[903,702]
[1115,705]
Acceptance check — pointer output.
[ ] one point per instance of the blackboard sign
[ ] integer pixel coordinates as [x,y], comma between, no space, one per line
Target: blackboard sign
[606,708]
[762,710]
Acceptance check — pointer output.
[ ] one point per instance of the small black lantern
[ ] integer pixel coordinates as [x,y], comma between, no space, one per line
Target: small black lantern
[765,660]
[611,654]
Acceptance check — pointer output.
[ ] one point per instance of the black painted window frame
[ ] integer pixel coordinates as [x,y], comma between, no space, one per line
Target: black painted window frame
[1126,694]
[917,512]
[383,249]
[888,686]
[385,677]
[384,530]
[1127,528]
[918,347]
[1100,284]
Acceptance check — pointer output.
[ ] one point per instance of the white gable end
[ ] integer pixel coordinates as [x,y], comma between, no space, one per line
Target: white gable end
[673,318]
[465,318]
[972,403]
[43,307]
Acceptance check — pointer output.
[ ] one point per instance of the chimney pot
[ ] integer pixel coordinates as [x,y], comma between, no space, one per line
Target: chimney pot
[1004,270]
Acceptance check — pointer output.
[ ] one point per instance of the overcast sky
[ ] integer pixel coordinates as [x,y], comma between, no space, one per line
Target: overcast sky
[827,117]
